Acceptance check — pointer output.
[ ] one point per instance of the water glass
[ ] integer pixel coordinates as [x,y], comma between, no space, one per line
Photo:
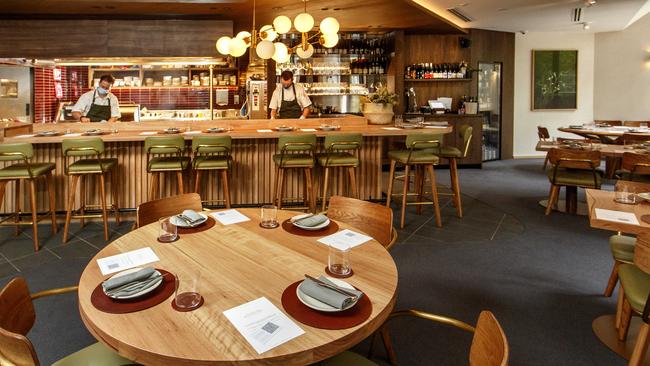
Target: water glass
[338,261]
[269,217]
[167,231]
[623,195]
[399,120]
[186,294]
[643,125]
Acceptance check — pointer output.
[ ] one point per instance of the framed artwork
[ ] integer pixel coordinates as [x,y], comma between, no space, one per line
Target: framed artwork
[555,80]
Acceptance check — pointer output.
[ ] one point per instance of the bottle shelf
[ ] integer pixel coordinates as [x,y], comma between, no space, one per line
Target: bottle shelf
[435,80]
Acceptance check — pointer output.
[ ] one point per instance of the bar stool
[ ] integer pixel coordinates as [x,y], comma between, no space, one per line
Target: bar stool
[167,152]
[296,152]
[212,153]
[453,154]
[341,151]
[89,163]
[26,170]
[419,153]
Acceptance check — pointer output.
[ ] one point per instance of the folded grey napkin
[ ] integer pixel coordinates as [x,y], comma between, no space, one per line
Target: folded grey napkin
[192,215]
[140,275]
[326,295]
[311,221]
[135,287]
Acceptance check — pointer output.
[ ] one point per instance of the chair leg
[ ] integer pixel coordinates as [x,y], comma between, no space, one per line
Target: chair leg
[226,186]
[419,187]
[153,190]
[102,198]
[179,178]
[613,279]
[115,197]
[391,178]
[197,180]
[545,163]
[309,191]
[405,191]
[455,186]
[434,194]
[32,201]
[388,345]
[626,317]
[50,192]
[82,198]
[17,199]
[553,196]
[619,306]
[3,185]
[641,345]
[72,189]
[353,182]
[280,187]
[326,173]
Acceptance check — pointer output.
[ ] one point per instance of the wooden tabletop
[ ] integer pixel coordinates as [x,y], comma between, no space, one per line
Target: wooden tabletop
[605,200]
[602,131]
[605,149]
[239,263]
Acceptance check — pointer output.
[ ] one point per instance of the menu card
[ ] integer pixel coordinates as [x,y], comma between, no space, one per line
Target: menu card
[391,128]
[264,131]
[24,136]
[308,129]
[132,259]
[228,217]
[148,133]
[262,324]
[617,216]
[345,239]
[191,132]
[72,135]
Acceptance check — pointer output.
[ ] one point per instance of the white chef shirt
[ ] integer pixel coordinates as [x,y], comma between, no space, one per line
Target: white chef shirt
[86,100]
[276,98]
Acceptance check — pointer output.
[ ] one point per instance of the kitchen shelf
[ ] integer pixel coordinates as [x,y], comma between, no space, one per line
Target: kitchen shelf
[435,80]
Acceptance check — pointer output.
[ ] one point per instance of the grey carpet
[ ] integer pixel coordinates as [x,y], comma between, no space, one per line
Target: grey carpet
[541,276]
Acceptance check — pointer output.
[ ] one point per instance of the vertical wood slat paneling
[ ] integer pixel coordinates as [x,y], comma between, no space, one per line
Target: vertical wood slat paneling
[251,180]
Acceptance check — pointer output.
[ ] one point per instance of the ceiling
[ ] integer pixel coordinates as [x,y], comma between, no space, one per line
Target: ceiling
[352,15]
[541,15]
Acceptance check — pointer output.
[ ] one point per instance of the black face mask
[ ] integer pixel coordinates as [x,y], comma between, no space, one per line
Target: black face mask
[287,87]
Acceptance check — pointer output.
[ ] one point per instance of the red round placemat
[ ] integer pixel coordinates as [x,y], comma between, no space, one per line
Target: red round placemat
[322,320]
[108,305]
[197,229]
[293,229]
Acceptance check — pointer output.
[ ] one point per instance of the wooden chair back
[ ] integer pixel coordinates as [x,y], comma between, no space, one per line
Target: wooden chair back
[17,317]
[631,138]
[642,252]
[574,159]
[635,187]
[635,123]
[374,219]
[489,345]
[608,122]
[151,211]
[636,164]
[542,133]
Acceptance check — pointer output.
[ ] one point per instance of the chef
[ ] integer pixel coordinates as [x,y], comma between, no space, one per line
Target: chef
[289,100]
[99,104]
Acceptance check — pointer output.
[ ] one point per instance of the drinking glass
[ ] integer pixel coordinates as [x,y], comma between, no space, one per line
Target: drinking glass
[643,125]
[338,261]
[623,195]
[399,120]
[167,231]
[269,217]
[186,294]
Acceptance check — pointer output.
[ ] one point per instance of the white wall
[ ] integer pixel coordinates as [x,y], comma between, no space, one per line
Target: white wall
[526,120]
[622,73]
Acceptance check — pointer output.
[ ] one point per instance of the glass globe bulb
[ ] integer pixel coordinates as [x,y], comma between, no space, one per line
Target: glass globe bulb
[282,24]
[243,35]
[270,33]
[330,40]
[265,50]
[282,58]
[237,47]
[305,53]
[223,45]
[303,22]
[329,25]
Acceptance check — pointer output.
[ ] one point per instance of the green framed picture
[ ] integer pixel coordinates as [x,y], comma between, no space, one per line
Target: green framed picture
[555,80]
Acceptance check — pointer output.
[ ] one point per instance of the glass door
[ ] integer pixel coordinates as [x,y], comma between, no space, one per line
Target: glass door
[489,106]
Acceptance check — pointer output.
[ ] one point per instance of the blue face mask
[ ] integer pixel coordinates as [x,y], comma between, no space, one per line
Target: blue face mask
[102,91]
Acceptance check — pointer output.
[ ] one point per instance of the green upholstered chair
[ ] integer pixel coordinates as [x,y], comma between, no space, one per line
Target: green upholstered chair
[17,317]
[165,154]
[419,153]
[341,151]
[622,248]
[635,167]
[453,154]
[83,158]
[295,151]
[18,166]
[212,153]
[572,169]
[635,285]
[489,344]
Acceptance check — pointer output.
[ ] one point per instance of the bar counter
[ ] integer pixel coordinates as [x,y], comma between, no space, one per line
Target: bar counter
[252,174]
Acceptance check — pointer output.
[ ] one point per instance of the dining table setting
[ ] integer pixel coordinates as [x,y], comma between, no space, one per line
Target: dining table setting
[238,286]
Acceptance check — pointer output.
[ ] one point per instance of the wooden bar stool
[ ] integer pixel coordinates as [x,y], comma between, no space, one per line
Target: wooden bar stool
[165,155]
[212,153]
[296,152]
[453,154]
[88,152]
[25,170]
[419,154]
[341,151]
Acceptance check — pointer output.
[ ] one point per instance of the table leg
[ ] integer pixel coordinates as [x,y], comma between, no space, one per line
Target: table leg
[571,199]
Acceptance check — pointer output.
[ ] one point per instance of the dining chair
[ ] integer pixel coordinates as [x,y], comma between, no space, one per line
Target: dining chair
[165,154]
[295,152]
[635,123]
[641,345]
[342,152]
[20,167]
[635,167]
[489,344]
[543,136]
[572,169]
[151,211]
[212,153]
[635,285]
[17,317]
[374,219]
[632,138]
[608,122]
[453,154]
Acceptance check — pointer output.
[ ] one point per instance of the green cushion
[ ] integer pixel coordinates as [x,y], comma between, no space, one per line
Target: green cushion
[211,144]
[337,159]
[336,141]
[17,171]
[94,355]
[211,162]
[575,177]
[168,163]
[622,247]
[306,142]
[634,177]
[450,152]
[636,284]
[347,358]
[421,140]
[164,144]
[294,160]
[418,156]
[85,166]
[82,146]
[25,149]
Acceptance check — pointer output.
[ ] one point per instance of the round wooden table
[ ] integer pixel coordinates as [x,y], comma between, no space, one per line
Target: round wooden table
[239,263]
[600,131]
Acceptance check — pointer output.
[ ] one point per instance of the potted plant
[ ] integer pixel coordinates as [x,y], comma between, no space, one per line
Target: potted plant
[378,106]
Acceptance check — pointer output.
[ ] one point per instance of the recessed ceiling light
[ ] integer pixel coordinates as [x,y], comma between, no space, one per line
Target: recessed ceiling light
[586,26]
[590,2]
[276,8]
[336,9]
[324,9]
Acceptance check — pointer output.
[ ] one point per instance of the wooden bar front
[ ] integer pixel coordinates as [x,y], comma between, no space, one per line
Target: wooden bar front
[252,174]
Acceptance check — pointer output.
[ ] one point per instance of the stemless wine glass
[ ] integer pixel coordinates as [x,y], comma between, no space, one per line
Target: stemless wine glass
[623,195]
[186,294]
[338,261]
[167,231]
[398,120]
[269,217]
